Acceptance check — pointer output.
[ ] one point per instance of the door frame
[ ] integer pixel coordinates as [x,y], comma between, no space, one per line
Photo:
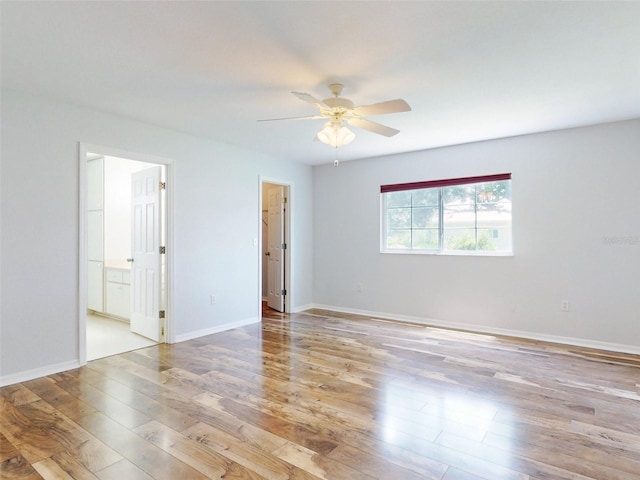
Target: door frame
[288,239]
[83,150]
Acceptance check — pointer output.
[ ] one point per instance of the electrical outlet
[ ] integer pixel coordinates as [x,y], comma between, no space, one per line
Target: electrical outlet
[213,299]
[564,305]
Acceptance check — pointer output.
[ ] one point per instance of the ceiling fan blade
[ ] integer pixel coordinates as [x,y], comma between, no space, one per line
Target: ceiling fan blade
[372,127]
[305,97]
[391,106]
[310,117]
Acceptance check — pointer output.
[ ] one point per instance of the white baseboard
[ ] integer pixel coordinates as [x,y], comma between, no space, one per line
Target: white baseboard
[576,342]
[217,329]
[302,308]
[27,375]
[37,373]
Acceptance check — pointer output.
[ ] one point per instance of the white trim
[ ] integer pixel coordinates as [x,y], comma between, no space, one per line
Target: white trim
[82,253]
[170,195]
[83,150]
[576,342]
[65,366]
[447,253]
[37,373]
[220,328]
[303,308]
[288,239]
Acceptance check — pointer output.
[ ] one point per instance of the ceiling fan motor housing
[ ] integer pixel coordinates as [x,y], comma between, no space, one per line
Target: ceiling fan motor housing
[338,106]
[339,103]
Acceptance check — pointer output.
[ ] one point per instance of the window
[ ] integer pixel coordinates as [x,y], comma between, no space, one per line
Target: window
[463,215]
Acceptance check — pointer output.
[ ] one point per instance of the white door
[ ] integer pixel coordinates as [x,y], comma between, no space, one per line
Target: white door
[145,252]
[275,252]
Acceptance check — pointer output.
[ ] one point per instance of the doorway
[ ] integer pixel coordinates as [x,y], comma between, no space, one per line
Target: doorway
[275,246]
[124,294]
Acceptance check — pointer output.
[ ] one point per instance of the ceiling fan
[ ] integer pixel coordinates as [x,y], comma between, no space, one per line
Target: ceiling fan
[339,110]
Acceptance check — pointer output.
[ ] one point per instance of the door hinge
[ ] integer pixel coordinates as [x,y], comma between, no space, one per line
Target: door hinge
[163,250]
[284,292]
[162,331]
[161,315]
[284,200]
[284,246]
[162,185]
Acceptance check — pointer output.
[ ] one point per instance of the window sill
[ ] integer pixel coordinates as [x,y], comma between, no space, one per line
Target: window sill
[448,254]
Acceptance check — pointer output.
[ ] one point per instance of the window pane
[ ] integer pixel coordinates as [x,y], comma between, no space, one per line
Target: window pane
[398,218]
[399,199]
[497,212]
[424,217]
[399,239]
[494,220]
[485,240]
[494,217]
[459,215]
[494,192]
[459,195]
[494,239]
[426,239]
[425,197]
[460,239]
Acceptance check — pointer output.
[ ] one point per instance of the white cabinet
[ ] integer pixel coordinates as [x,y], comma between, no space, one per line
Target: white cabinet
[95,234]
[118,292]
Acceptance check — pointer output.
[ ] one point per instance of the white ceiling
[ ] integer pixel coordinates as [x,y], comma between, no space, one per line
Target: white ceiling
[470,70]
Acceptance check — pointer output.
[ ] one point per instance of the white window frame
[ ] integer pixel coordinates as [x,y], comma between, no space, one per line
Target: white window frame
[439,185]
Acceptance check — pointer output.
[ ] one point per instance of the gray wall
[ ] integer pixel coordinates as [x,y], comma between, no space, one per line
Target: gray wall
[217,216]
[576,230]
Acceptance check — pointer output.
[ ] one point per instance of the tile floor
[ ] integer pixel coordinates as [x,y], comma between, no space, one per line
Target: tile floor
[107,336]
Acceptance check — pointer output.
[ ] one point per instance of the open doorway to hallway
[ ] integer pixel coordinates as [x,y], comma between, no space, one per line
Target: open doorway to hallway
[275,248]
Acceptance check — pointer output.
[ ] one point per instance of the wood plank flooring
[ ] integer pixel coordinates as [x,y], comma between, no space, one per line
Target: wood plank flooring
[320,395]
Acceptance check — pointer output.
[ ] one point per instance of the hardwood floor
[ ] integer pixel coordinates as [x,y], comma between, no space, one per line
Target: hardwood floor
[329,396]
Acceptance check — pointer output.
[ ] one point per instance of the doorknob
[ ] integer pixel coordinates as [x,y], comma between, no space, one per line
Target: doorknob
[268,254]
[129,259]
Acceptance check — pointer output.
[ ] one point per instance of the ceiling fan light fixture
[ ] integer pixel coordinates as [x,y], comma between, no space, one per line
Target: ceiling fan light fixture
[335,135]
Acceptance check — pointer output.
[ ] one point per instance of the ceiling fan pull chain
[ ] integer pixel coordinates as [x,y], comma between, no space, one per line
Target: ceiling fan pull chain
[335,162]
